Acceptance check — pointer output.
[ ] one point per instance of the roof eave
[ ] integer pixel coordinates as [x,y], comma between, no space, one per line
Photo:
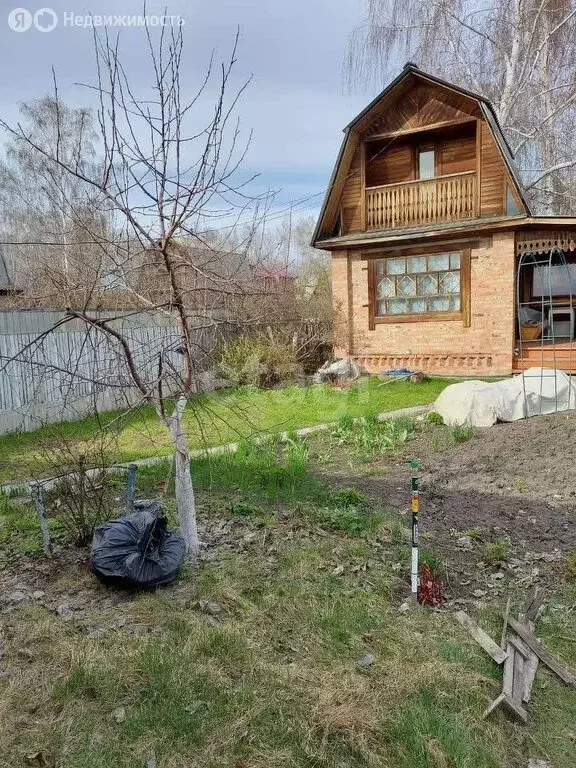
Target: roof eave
[388,238]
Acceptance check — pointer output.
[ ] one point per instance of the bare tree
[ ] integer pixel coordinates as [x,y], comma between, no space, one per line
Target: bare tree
[168,170]
[295,287]
[39,201]
[519,54]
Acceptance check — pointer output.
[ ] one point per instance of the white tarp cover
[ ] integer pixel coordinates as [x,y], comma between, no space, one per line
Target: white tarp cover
[481,404]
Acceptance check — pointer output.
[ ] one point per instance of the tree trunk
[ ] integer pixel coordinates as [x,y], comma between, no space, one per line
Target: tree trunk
[184,488]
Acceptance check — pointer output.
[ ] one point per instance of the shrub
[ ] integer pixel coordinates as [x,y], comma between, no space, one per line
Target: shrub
[495,551]
[434,418]
[462,433]
[255,363]
[350,497]
[80,502]
[571,567]
[243,509]
[351,520]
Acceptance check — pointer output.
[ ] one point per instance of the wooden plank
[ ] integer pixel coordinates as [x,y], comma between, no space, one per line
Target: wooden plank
[534,605]
[421,128]
[419,250]
[494,705]
[513,706]
[518,675]
[516,709]
[362,186]
[530,669]
[531,662]
[519,646]
[543,654]
[527,619]
[481,637]
[505,626]
[508,678]
[492,175]
[415,104]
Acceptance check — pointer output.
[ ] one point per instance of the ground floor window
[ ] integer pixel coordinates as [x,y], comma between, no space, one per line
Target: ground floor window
[419,286]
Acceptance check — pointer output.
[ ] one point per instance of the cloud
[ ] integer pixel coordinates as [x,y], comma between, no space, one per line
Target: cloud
[295,105]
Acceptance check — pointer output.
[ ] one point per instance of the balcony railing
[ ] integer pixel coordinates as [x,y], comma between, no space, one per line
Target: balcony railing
[414,203]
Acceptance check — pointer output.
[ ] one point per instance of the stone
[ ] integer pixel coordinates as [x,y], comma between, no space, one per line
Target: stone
[119,715]
[64,610]
[212,609]
[339,370]
[38,594]
[366,660]
[17,597]
[404,607]
[465,542]
[93,634]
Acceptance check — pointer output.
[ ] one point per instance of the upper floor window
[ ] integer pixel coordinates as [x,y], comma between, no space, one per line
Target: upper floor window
[426,163]
[512,207]
[415,286]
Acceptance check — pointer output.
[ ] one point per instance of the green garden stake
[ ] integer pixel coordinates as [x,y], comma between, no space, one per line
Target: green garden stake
[415,464]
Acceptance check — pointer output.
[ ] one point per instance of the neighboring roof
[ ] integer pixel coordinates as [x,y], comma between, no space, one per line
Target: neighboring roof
[263,271]
[486,108]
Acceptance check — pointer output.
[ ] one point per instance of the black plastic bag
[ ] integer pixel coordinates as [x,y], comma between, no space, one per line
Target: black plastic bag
[138,550]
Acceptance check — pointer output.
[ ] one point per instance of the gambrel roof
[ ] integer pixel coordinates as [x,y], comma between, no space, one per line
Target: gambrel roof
[410,103]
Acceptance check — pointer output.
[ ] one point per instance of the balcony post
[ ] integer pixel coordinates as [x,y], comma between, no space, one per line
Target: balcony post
[363,185]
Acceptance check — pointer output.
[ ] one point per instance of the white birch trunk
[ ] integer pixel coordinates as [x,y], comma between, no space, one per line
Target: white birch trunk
[184,489]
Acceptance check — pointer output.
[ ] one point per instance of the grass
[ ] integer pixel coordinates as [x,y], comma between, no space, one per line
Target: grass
[461,434]
[571,567]
[368,437]
[496,551]
[274,681]
[19,530]
[214,419]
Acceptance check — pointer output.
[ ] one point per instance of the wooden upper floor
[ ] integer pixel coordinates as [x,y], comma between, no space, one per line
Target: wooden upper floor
[423,153]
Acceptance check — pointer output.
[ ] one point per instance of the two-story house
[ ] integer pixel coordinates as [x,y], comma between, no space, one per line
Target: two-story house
[425,219]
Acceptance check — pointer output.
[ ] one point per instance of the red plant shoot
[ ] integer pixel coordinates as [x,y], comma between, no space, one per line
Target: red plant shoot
[430,588]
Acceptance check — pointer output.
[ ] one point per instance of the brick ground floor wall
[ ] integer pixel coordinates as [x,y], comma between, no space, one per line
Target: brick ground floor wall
[448,347]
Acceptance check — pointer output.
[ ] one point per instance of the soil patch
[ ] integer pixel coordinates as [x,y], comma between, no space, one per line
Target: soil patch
[510,481]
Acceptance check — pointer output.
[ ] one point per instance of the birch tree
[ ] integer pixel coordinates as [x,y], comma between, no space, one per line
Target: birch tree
[39,200]
[168,169]
[519,54]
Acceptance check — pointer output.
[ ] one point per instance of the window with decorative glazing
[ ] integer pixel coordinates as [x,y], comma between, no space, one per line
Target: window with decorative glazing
[414,285]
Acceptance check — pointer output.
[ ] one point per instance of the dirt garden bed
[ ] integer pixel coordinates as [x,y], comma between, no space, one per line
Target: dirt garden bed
[508,490]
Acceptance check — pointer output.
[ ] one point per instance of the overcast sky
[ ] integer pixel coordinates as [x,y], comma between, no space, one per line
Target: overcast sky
[296,104]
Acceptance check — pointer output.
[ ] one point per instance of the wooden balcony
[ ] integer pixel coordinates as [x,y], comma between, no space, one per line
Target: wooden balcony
[415,203]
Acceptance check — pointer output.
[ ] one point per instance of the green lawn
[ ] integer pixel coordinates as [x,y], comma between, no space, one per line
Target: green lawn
[213,419]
